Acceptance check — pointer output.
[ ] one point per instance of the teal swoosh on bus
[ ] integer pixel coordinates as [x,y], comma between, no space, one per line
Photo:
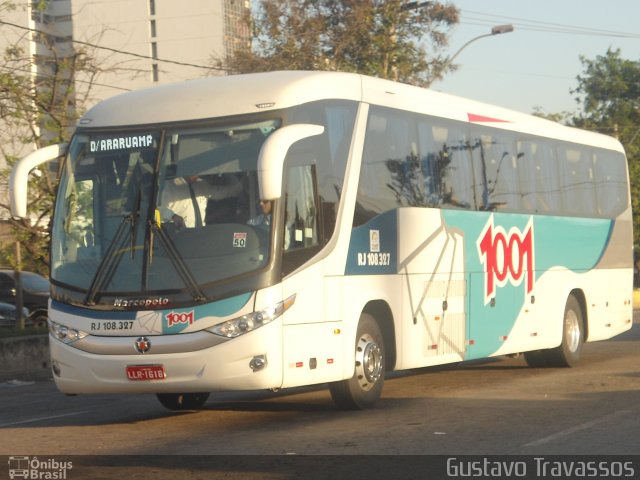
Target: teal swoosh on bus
[573,243]
[373,248]
[173,320]
[576,244]
[178,319]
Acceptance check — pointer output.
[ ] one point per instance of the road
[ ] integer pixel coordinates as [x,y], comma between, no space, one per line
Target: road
[495,407]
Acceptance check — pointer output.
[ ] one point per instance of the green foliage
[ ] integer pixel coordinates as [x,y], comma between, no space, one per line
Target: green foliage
[35,112]
[561,117]
[373,37]
[609,93]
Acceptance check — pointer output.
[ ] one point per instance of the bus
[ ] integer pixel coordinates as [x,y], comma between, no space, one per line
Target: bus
[336,228]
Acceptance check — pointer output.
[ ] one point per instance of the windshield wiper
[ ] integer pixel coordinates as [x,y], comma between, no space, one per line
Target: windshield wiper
[177,261]
[110,261]
[135,215]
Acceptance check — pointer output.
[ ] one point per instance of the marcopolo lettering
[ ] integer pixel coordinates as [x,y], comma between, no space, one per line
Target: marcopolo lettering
[140,302]
[120,143]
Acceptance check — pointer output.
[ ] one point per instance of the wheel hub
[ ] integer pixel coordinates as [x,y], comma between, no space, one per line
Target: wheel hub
[572,330]
[369,362]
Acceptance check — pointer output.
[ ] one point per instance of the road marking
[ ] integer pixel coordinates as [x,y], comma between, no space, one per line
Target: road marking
[577,428]
[40,419]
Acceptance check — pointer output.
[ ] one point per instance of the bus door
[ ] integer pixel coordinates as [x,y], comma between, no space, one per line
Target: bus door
[432,259]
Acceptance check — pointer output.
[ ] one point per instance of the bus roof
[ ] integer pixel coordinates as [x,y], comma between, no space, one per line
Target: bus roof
[222,96]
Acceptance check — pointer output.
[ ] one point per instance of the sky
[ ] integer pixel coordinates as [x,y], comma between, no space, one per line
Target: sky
[536,65]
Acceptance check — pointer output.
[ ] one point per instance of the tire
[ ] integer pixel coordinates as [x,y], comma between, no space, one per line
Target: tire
[182,401]
[536,359]
[40,321]
[364,388]
[569,351]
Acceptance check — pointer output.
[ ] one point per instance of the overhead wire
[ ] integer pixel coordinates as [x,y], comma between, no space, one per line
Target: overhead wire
[469,17]
[473,19]
[75,80]
[115,50]
[543,26]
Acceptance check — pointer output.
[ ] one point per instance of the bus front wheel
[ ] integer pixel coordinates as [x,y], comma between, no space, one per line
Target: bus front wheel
[567,354]
[182,401]
[364,388]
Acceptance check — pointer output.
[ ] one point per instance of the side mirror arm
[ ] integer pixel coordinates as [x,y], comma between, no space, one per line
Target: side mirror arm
[19,178]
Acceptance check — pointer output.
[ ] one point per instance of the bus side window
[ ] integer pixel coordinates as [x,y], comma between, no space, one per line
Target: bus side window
[328,152]
[576,177]
[527,176]
[539,184]
[496,166]
[611,185]
[301,220]
[397,150]
[381,182]
[445,163]
[430,138]
[457,171]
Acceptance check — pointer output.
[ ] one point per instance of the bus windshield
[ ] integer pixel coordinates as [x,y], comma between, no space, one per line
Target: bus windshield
[138,210]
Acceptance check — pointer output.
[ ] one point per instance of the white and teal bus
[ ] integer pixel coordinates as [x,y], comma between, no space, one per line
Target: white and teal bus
[406,228]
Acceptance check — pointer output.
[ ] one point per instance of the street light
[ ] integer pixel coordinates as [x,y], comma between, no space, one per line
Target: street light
[496,30]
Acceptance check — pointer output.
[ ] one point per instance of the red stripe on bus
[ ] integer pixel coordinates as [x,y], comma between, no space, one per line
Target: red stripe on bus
[481,118]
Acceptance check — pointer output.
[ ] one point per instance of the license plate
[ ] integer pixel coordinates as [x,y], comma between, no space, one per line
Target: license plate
[146,372]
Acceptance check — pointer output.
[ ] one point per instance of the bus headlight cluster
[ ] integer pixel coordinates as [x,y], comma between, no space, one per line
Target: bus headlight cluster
[246,323]
[65,334]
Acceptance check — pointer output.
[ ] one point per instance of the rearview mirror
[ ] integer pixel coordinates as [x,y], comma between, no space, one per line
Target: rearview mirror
[273,153]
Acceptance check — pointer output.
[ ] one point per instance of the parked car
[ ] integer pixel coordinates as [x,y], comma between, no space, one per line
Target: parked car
[8,314]
[35,294]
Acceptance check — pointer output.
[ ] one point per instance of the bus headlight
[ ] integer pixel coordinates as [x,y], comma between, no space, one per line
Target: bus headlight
[246,323]
[64,333]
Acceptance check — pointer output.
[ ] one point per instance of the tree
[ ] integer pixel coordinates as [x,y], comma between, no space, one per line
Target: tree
[559,117]
[375,37]
[609,93]
[36,111]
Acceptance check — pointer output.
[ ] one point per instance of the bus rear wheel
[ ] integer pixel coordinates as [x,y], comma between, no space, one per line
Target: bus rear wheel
[182,401]
[364,388]
[567,354]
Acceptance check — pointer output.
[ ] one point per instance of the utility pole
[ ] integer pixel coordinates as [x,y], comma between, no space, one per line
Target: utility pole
[19,299]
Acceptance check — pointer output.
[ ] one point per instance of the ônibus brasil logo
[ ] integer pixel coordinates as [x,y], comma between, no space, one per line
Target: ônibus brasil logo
[506,256]
[27,467]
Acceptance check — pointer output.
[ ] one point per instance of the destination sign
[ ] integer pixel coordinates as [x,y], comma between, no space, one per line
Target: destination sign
[121,143]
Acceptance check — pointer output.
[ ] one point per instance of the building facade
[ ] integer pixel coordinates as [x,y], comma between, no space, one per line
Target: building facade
[136,42]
